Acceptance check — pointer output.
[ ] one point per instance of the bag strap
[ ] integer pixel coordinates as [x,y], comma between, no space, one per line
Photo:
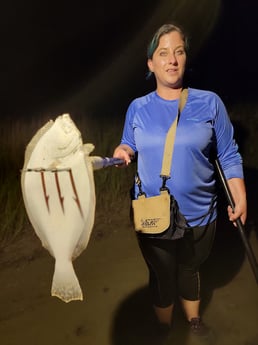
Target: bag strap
[170,139]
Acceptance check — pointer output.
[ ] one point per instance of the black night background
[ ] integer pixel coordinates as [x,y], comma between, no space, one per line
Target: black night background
[52,50]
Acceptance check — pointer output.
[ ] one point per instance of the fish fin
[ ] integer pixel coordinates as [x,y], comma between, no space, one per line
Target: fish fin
[88,148]
[34,141]
[65,284]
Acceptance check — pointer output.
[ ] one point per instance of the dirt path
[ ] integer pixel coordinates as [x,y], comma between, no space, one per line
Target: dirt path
[116,308]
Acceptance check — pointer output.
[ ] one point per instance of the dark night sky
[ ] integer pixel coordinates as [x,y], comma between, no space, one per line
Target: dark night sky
[228,62]
[49,49]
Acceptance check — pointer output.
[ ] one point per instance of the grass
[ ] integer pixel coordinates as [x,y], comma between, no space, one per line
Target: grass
[112,184]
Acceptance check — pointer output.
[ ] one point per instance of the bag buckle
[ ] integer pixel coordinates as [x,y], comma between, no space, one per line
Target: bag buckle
[164,181]
[139,184]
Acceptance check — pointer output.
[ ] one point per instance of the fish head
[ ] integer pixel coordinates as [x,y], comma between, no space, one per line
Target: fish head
[54,145]
[64,137]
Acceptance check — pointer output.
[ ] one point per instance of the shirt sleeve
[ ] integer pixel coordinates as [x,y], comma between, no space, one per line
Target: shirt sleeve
[227,148]
[128,130]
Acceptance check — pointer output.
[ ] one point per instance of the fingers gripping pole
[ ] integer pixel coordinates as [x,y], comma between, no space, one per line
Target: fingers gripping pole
[240,226]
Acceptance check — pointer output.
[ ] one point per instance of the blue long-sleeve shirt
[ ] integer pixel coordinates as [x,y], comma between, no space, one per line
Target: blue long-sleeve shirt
[204,125]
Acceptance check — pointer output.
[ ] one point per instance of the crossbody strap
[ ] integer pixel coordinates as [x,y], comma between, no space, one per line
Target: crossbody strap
[170,139]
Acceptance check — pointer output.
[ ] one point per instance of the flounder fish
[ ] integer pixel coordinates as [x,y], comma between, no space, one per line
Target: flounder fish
[59,195]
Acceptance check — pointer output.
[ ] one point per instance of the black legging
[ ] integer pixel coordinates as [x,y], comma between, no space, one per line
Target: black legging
[174,264]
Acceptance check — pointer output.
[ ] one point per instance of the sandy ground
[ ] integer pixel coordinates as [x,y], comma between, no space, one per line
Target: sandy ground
[116,308]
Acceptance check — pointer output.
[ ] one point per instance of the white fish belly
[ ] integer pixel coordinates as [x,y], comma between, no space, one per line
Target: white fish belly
[61,207]
[59,204]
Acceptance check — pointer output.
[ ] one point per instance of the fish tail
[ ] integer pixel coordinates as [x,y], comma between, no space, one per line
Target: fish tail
[65,284]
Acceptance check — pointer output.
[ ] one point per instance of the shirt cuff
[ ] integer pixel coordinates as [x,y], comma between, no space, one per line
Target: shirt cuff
[235,171]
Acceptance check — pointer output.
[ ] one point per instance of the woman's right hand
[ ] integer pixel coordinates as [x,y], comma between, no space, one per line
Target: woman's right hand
[125,153]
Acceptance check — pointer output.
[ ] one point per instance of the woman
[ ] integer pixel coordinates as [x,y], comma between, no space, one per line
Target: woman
[203,127]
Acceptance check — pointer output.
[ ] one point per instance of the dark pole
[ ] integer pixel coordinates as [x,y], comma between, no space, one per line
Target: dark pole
[107,162]
[240,226]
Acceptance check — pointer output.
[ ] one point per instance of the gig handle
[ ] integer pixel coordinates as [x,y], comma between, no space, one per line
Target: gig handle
[107,161]
[240,226]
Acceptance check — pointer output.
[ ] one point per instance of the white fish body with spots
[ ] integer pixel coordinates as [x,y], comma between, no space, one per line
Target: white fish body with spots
[59,196]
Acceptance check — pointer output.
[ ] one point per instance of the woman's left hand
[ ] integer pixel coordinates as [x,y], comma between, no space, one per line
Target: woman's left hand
[237,188]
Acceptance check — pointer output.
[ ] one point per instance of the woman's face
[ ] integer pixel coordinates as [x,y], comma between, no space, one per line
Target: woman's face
[168,61]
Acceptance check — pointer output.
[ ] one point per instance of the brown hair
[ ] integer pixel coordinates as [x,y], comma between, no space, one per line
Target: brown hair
[164,29]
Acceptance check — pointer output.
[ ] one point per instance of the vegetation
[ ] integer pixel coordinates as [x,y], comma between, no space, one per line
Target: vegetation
[112,185]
